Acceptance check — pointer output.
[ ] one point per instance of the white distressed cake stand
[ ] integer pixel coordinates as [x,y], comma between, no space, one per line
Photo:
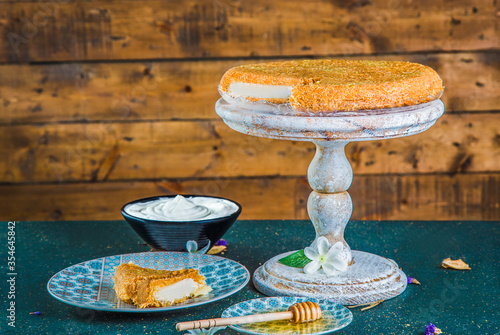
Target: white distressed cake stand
[369,277]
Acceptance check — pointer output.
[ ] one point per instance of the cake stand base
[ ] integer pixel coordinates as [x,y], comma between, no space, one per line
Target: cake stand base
[369,279]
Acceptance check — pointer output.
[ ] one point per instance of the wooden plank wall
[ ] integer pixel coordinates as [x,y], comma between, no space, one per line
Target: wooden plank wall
[103,102]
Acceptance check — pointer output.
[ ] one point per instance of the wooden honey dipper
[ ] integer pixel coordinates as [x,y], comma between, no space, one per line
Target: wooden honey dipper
[297,313]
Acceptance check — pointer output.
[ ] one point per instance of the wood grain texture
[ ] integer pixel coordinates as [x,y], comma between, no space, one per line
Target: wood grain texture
[209,149]
[188,89]
[102,102]
[112,30]
[424,197]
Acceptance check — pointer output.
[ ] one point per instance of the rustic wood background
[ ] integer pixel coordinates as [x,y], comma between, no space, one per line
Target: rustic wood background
[103,102]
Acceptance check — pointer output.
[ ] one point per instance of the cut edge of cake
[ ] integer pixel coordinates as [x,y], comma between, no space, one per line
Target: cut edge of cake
[145,287]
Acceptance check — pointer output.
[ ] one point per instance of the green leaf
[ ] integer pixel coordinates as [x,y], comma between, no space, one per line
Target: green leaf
[295,260]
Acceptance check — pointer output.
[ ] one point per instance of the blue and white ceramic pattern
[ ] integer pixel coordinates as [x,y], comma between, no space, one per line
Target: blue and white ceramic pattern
[90,284]
[334,316]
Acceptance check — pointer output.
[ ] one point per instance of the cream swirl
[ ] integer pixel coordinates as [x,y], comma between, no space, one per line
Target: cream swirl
[182,209]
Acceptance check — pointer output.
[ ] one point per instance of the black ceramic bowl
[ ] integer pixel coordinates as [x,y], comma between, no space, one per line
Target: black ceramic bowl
[173,235]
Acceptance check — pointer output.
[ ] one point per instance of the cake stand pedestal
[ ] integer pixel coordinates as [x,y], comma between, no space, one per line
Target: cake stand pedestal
[368,277]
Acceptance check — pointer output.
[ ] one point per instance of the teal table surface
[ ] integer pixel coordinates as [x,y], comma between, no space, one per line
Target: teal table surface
[458,302]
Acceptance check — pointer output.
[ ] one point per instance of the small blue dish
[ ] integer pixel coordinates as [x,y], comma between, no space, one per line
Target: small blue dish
[334,316]
[173,235]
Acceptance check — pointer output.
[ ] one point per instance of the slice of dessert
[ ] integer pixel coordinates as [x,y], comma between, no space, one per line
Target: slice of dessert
[157,288]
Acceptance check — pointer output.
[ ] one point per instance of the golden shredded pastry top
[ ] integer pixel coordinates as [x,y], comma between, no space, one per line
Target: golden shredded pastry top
[135,271]
[341,85]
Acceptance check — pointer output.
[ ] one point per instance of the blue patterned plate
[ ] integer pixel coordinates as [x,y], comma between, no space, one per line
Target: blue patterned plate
[334,316]
[90,284]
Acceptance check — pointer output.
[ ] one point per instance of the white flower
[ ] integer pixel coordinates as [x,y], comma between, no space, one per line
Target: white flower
[209,331]
[322,256]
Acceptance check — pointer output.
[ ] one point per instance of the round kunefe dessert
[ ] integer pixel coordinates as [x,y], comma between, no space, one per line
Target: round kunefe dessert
[325,85]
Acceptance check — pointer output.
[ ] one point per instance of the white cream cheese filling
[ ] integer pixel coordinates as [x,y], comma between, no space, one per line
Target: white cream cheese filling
[249,90]
[179,290]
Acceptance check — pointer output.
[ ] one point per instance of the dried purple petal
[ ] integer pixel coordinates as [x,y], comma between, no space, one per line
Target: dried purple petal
[221,242]
[412,280]
[429,329]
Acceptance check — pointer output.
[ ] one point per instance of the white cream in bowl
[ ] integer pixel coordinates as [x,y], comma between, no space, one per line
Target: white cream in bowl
[182,209]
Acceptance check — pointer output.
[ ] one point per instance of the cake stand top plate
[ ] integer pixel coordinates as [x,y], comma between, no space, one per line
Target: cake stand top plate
[281,122]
